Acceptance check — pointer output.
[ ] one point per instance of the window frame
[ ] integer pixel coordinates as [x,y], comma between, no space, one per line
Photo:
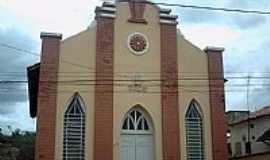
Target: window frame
[74,128]
[194,130]
[143,117]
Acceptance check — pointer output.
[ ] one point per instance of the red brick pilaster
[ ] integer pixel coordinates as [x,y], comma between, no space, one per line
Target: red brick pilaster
[47,96]
[169,93]
[103,140]
[216,92]
[137,11]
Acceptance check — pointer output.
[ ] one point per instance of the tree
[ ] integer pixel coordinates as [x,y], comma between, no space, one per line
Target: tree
[25,142]
[18,146]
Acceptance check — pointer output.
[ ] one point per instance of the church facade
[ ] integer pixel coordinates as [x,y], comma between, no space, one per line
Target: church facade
[129,87]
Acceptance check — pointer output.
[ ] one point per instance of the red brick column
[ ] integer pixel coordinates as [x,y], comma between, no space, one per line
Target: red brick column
[169,93]
[103,147]
[47,97]
[216,91]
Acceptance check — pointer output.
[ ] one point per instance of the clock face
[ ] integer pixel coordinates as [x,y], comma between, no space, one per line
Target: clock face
[137,43]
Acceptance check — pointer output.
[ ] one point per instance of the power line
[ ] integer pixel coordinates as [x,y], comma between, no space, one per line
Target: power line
[213,8]
[128,80]
[244,11]
[145,79]
[149,85]
[118,73]
[213,92]
[19,49]
[142,73]
[36,54]
[145,72]
[132,76]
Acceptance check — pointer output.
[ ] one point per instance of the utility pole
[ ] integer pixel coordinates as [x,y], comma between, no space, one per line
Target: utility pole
[248,144]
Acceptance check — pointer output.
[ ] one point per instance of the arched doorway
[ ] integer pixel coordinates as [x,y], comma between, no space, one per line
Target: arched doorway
[137,136]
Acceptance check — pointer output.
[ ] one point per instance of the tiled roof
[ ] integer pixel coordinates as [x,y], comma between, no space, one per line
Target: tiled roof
[265,111]
[262,112]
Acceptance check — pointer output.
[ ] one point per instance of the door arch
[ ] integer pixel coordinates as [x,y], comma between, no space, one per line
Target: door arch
[137,136]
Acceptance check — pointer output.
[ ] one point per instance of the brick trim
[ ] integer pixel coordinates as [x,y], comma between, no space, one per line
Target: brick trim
[103,140]
[47,97]
[217,106]
[137,12]
[169,93]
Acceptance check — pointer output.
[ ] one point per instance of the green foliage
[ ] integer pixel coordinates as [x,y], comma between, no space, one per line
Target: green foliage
[18,146]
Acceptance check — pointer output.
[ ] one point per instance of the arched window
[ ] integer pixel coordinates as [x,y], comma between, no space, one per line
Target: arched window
[74,130]
[194,133]
[136,120]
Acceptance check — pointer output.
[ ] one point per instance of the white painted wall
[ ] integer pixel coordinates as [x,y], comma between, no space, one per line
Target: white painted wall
[240,130]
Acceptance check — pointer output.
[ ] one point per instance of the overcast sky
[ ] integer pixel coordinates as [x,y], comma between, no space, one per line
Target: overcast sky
[244,36]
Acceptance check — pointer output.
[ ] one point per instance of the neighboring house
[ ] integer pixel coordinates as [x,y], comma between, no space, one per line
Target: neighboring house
[123,89]
[235,116]
[249,137]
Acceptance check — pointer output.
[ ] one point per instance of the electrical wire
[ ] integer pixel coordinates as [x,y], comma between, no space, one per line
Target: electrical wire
[198,76]
[211,8]
[124,74]
[36,54]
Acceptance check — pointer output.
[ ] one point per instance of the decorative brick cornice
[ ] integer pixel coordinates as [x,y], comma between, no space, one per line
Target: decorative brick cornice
[137,11]
[165,10]
[106,11]
[50,35]
[217,103]
[108,4]
[211,49]
[166,18]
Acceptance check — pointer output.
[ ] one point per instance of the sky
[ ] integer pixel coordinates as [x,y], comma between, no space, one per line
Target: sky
[245,38]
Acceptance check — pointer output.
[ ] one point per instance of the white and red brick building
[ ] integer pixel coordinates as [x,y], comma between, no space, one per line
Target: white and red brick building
[119,90]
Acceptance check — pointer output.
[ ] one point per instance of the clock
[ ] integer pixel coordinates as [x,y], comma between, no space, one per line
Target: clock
[138,43]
